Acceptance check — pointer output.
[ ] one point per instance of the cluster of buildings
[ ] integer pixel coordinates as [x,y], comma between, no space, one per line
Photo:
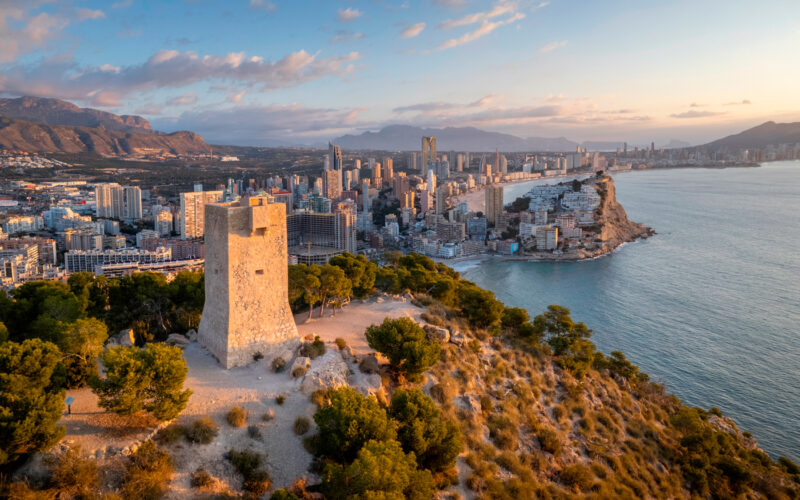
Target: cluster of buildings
[22,160]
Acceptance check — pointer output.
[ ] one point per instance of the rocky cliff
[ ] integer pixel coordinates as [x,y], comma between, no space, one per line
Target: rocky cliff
[615,227]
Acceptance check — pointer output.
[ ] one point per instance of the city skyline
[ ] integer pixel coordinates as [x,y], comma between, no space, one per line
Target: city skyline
[265,72]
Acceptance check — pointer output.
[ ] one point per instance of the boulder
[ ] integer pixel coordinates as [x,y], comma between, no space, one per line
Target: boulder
[370,364]
[191,335]
[300,366]
[329,372]
[458,338]
[348,355]
[124,338]
[374,381]
[437,333]
[177,339]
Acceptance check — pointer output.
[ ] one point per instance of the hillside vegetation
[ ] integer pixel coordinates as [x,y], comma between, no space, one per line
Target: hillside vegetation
[503,406]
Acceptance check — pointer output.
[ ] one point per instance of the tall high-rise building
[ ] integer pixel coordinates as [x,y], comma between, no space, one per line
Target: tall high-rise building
[388,168]
[376,175]
[110,200]
[193,210]
[133,203]
[466,160]
[334,157]
[428,151]
[494,203]
[332,184]
[118,202]
[460,162]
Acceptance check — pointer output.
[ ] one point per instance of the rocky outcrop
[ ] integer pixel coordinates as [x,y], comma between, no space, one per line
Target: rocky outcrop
[327,372]
[615,227]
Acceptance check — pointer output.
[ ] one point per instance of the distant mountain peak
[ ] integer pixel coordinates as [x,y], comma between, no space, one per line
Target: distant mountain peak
[398,137]
[50,111]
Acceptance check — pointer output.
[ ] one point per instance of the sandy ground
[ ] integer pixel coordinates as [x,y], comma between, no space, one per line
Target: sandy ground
[351,322]
[254,387]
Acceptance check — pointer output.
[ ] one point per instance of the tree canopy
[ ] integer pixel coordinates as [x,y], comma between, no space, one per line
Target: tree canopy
[405,343]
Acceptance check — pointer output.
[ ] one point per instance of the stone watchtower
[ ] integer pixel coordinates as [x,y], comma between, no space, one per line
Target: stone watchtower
[246,281]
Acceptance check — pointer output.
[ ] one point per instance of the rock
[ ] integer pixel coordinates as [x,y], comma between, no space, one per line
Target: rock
[458,338]
[437,333]
[470,402]
[124,338]
[191,335]
[379,300]
[370,364]
[300,366]
[348,355]
[330,372]
[177,339]
[374,381]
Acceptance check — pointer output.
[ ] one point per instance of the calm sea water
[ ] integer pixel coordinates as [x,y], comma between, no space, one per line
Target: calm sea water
[710,306]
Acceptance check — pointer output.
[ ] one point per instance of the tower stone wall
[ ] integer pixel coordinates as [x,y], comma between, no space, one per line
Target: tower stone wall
[246,281]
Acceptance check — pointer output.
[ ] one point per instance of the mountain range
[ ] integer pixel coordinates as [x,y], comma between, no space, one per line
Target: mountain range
[41,125]
[44,125]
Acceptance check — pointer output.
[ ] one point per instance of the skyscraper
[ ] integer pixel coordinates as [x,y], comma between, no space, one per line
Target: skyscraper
[334,157]
[332,184]
[118,202]
[388,168]
[193,212]
[428,151]
[133,202]
[494,203]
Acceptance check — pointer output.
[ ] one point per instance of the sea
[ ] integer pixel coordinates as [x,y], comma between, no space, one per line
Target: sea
[709,306]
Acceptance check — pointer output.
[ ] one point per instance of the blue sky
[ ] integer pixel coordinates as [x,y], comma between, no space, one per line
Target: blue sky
[300,72]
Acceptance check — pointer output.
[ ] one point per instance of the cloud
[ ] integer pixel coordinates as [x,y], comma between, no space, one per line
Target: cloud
[450,4]
[697,105]
[148,109]
[552,46]
[743,102]
[696,114]
[499,9]
[484,29]
[348,15]
[22,31]
[412,31]
[262,5]
[484,101]
[84,14]
[237,97]
[425,107]
[122,4]
[269,124]
[183,100]
[346,36]
[65,78]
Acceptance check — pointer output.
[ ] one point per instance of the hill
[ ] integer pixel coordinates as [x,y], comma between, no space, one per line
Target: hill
[760,137]
[41,125]
[407,138]
[58,112]
[41,138]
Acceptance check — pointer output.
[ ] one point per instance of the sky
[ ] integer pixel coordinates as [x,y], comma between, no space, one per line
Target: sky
[269,72]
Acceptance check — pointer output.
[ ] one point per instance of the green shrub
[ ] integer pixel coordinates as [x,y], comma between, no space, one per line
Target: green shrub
[406,345]
[254,432]
[278,364]
[237,417]
[248,463]
[74,475]
[258,356]
[577,475]
[423,430]
[171,434]
[347,422]
[313,349]
[301,425]
[143,379]
[381,470]
[549,440]
[340,343]
[283,494]
[147,473]
[202,431]
[280,399]
[269,415]
[201,479]
[30,398]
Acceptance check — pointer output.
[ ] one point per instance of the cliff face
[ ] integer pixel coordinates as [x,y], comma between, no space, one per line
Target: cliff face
[42,138]
[615,226]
